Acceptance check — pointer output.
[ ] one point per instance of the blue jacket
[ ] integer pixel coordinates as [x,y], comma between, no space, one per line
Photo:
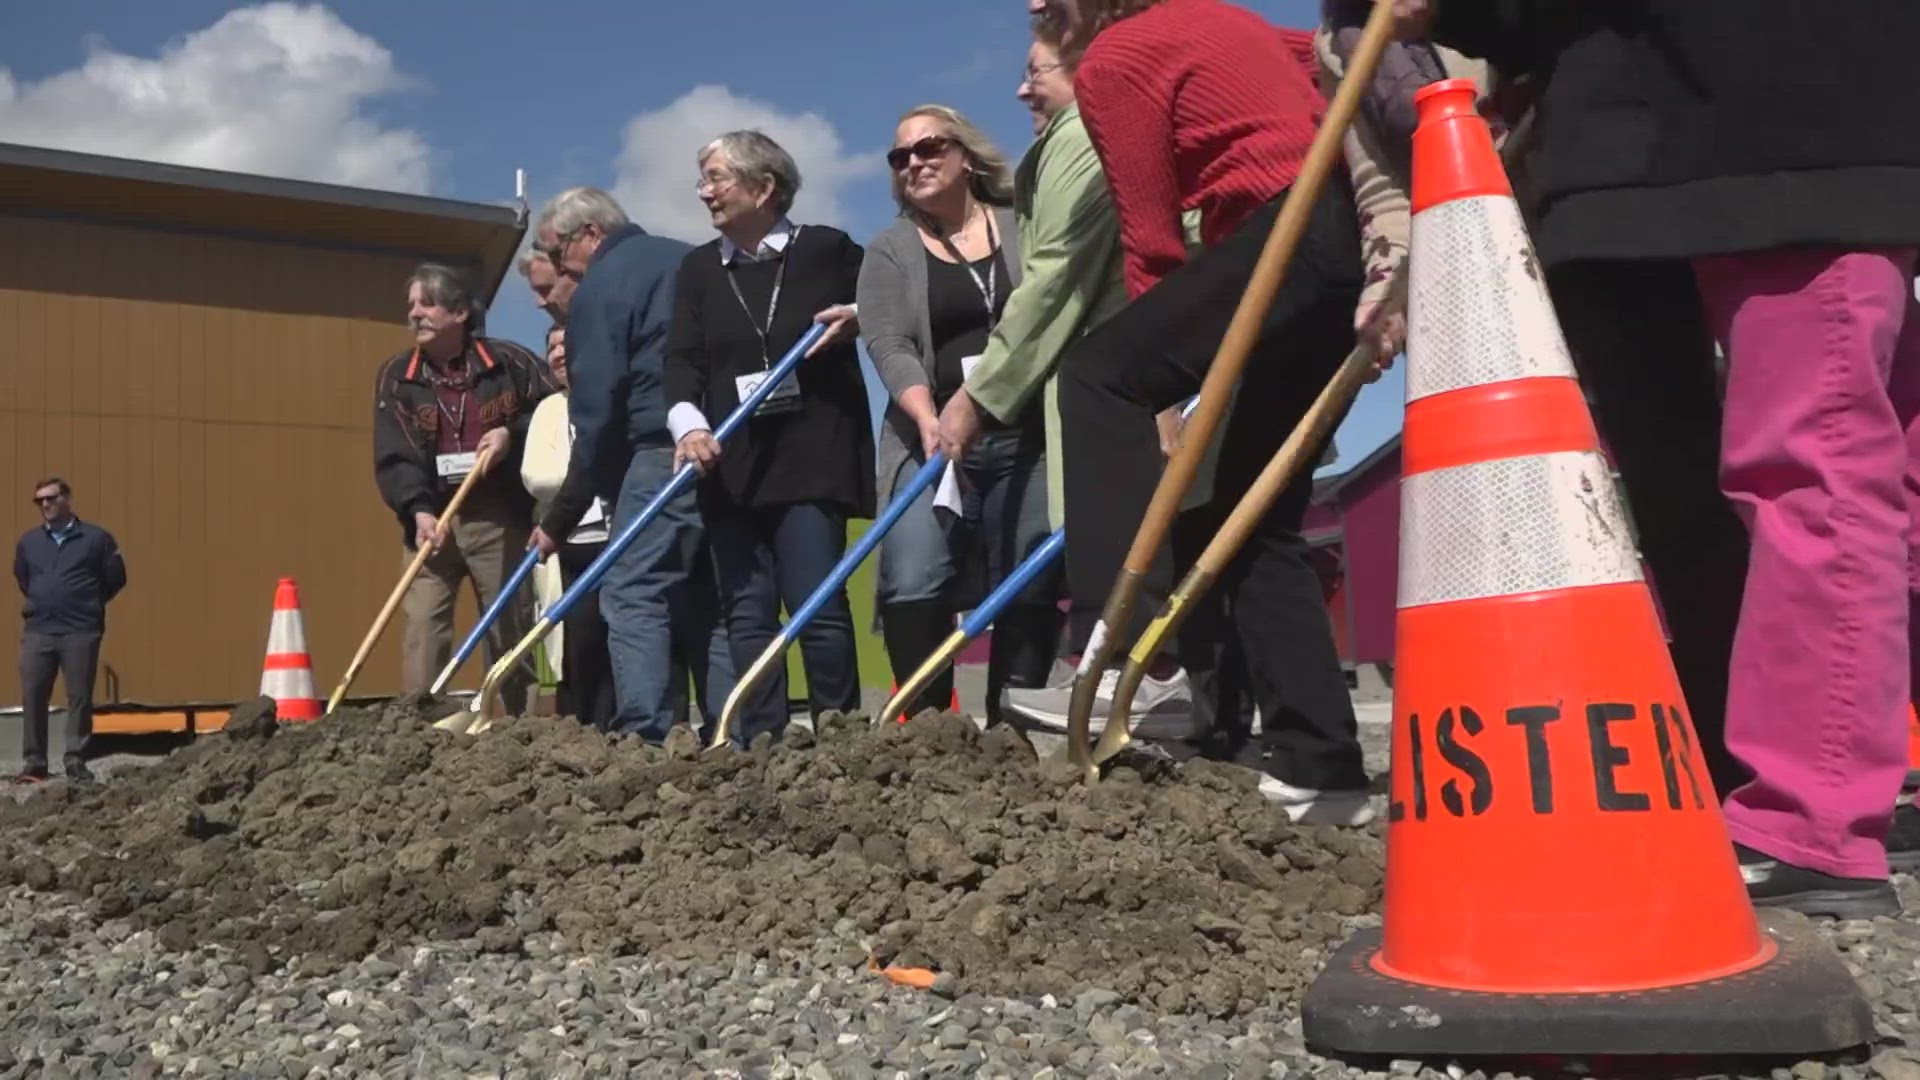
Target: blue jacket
[616,351]
[68,583]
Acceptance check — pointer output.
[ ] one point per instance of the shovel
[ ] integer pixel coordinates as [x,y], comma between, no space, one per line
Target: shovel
[1286,463]
[487,620]
[1217,389]
[776,649]
[980,618]
[474,719]
[400,591]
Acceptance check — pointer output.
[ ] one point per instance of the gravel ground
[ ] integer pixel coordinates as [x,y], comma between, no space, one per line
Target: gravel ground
[87,995]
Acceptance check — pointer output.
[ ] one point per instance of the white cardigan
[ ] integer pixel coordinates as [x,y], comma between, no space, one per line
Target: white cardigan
[543,468]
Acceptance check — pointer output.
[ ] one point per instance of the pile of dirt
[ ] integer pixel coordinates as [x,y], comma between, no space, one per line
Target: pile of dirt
[950,849]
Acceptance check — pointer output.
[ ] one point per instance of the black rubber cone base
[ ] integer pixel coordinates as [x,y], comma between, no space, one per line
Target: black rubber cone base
[1803,1002]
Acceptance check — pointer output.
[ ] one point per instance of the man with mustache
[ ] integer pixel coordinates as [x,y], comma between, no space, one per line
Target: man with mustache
[439,407]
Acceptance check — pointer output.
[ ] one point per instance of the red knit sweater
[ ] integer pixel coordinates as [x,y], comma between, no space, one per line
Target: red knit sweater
[1194,104]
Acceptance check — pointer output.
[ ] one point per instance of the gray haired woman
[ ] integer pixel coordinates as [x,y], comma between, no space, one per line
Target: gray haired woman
[776,501]
[932,288]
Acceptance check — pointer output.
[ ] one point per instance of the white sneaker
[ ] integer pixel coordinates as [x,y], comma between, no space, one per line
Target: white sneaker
[1160,710]
[1306,806]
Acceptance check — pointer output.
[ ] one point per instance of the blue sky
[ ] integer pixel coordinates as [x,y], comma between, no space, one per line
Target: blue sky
[449,98]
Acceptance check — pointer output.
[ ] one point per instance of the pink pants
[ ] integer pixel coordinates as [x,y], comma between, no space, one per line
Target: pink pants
[1819,455]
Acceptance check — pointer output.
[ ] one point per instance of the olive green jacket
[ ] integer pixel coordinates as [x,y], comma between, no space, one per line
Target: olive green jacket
[1070,281]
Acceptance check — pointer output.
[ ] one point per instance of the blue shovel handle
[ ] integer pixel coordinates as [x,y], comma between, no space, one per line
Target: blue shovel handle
[589,579]
[507,591]
[901,501]
[980,618]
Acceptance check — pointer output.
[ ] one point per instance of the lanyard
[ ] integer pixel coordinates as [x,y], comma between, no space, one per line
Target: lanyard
[773,301]
[990,288]
[462,386]
[459,419]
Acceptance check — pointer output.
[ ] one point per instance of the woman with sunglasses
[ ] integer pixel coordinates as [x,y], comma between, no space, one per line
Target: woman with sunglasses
[1202,105]
[932,288]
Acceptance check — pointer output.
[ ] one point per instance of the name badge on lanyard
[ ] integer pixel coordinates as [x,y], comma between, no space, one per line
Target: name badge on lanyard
[785,397]
[456,466]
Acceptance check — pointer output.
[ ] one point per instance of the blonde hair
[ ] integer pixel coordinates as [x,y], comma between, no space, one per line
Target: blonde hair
[990,178]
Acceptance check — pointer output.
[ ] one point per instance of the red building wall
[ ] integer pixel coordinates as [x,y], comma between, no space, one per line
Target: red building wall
[1371,523]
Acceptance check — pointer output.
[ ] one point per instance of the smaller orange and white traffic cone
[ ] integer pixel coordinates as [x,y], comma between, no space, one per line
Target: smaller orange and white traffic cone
[1913,749]
[287,676]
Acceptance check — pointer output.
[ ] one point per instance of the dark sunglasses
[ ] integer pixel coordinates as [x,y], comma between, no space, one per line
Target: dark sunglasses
[925,149]
[46,500]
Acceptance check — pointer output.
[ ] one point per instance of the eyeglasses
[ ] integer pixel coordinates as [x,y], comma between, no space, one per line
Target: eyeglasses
[558,252]
[927,149]
[1032,74]
[712,181]
[46,500]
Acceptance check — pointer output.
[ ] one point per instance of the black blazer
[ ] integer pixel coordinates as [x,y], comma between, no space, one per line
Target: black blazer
[821,453]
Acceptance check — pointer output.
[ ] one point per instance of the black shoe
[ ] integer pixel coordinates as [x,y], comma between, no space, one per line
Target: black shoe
[912,632]
[78,772]
[32,774]
[1772,883]
[1903,839]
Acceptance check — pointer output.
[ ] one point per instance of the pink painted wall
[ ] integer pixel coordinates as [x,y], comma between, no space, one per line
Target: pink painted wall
[1370,519]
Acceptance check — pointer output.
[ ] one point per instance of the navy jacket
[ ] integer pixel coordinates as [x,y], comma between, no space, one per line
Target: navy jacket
[616,351]
[67,585]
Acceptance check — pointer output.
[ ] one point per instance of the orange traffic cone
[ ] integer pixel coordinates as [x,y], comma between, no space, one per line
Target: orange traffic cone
[1559,878]
[1913,747]
[287,676]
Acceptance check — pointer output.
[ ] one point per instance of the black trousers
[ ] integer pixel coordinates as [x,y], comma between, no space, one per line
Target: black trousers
[42,657]
[1645,355]
[1153,354]
[586,669]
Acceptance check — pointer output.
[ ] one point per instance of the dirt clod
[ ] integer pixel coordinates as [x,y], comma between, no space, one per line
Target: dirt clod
[945,847]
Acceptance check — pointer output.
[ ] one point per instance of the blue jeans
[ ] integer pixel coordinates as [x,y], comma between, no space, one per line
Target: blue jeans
[660,603]
[1005,503]
[780,554]
[925,556]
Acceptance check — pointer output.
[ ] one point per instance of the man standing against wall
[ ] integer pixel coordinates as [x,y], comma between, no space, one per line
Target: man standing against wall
[659,593]
[68,570]
[438,407]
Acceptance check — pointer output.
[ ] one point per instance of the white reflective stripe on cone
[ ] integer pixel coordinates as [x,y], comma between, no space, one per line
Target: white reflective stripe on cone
[287,683]
[285,634]
[1477,304]
[1513,525]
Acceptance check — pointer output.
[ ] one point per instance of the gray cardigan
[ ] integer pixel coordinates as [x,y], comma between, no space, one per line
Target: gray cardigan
[899,332]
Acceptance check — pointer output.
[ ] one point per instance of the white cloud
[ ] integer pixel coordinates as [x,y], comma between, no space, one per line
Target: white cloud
[656,167]
[278,89]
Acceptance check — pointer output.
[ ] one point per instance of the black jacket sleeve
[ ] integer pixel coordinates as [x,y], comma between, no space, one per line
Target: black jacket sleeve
[1504,33]
[113,567]
[848,259]
[401,469]
[569,504]
[22,569]
[685,372]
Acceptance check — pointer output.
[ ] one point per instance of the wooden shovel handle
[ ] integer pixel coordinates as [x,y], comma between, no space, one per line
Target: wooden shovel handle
[1216,390]
[400,591]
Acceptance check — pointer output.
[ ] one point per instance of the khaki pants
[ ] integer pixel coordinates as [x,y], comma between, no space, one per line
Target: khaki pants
[484,544]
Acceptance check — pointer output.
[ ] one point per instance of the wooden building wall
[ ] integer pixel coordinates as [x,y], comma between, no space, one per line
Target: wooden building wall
[209,399]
